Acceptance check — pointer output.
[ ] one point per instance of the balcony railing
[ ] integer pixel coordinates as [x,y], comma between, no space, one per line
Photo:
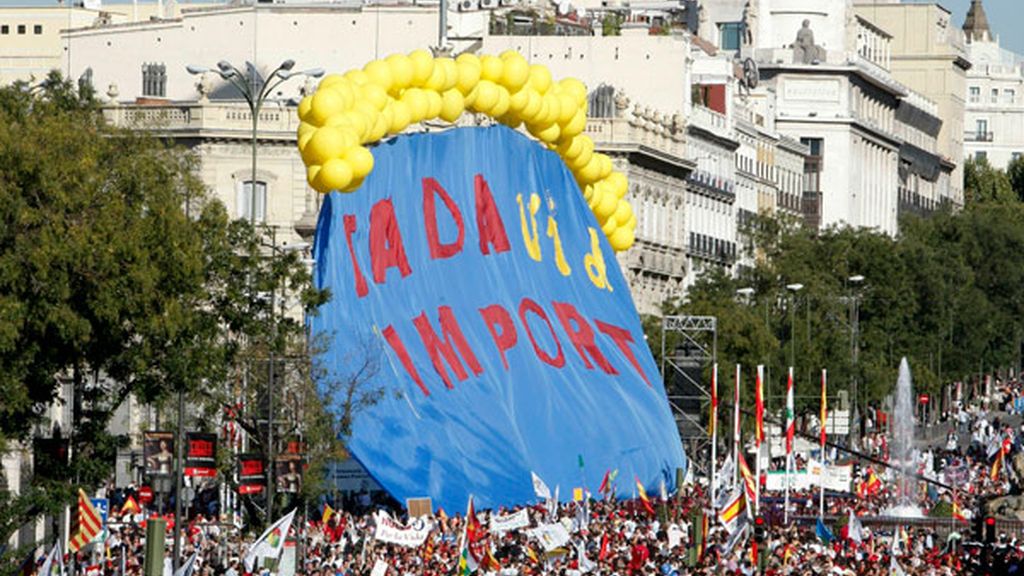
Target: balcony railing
[978,136]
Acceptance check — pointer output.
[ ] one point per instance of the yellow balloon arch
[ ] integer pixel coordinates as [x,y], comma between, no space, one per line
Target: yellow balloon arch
[361,107]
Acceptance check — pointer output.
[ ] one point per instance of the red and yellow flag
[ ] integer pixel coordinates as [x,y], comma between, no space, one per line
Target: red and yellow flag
[748,482]
[87,523]
[759,405]
[824,408]
[643,497]
[713,420]
[328,512]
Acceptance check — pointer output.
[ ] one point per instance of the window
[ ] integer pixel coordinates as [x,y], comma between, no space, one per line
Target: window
[975,94]
[1014,156]
[980,155]
[37,29]
[246,202]
[813,164]
[1009,95]
[981,130]
[21,28]
[995,95]
[154,80]
[5,29]
[729,34]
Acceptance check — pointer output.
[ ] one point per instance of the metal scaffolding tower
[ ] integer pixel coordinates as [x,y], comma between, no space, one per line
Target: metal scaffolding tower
[684,370]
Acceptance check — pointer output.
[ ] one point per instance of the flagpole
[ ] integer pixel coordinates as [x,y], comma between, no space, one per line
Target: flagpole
[736,426]
[789,443]
[714,430]
[824,417]
[757,439]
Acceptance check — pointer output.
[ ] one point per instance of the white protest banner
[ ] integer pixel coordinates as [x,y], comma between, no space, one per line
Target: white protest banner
[392,532]
[380,568]
[550,536]
[839,478]
[776,480]
[509,522]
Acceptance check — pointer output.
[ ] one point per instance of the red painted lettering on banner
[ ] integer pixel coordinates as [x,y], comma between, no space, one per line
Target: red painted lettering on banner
[622,339]
[350,228]
[528,305]
[395,341]
[431,190]
[438,347]
[386,248]
[496,316]
[488,219]
[581,336]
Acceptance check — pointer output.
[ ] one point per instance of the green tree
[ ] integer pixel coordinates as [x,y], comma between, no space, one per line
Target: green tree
[1015,171]
[983,183]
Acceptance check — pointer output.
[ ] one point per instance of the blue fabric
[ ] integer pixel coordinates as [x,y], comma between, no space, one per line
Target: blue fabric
[486,433]
[822,531]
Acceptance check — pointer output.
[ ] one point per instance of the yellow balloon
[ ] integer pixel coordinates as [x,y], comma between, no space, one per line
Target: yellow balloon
[325,103]
[451,72]
[360,124]
[605,167]
[621,239]
[491,68]
[567,108]
[540,78]
[400,116]
[623,211]
[437,78]
[378,128]
[609,226]
[515,73]
[617,183]
[468,67]
[416,100]
[574,88]
[517,102]
[511,119]
[452,105]
[533,105]
[357,77]
[434,104]
[335,174]
[549,134]
[553,109]
[502,105]
[401,71]
[486,96]
[576,125]
[305,105]
[374,94]
[324,144]
[354,185]
[305,128]
[379,73]
[423,66]
[586,153]
[607,206]
[631,223]
[471,97]
[330,80]
[569,148]
[311,171]
[347,91]
[591,172]
[360,160]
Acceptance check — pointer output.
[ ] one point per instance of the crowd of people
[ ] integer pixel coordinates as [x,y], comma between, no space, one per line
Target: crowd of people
[675,536]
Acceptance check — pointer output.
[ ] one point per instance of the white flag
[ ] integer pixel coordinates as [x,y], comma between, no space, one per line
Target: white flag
[540,488]
[380,568]
[585,564]
[853,529]
[188,567]
[55,559]
[270,543]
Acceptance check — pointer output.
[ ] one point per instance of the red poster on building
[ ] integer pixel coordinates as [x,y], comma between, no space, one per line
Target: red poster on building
[251,474]
[201,455]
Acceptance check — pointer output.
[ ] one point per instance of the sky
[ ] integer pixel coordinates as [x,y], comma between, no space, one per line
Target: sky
[1004,16]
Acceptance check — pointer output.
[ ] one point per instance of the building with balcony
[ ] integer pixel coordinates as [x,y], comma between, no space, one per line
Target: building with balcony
[994,118]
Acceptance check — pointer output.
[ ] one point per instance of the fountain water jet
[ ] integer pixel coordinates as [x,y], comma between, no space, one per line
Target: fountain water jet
[901,453]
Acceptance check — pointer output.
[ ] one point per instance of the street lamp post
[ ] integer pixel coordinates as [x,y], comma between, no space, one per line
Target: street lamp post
[255,96]
[855,281]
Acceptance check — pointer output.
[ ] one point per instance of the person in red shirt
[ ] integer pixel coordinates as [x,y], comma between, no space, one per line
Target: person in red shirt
[638,556]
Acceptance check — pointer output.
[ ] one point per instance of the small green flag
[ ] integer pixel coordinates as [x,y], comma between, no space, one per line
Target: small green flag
[580,457]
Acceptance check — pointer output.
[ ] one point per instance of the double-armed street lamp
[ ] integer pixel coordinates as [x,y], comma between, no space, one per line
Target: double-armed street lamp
[255,95]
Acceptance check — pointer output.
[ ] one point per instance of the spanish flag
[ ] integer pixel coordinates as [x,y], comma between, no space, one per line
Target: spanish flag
[957,512]
[643,497]
[328,512]
[997,466]
[748,481]
[131,506]
[759,405]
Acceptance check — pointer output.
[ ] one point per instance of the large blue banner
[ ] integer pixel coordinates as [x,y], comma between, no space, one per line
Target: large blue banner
[473,286]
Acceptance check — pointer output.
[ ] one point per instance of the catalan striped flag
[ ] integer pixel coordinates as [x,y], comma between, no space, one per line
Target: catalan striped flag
[87,522]
[749,487]
[643,497]
[759,405]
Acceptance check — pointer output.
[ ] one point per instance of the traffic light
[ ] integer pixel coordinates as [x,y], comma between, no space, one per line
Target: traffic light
[990,530]
[759,529]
